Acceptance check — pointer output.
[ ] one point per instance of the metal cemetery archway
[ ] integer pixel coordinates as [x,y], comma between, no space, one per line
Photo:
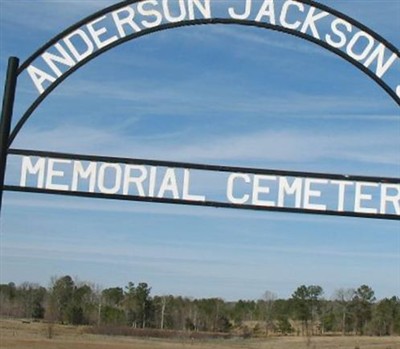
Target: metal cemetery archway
[67,52]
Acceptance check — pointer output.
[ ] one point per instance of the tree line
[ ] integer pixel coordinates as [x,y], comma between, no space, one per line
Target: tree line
[306,312]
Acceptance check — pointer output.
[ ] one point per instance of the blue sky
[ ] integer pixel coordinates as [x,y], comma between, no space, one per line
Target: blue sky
[218,94]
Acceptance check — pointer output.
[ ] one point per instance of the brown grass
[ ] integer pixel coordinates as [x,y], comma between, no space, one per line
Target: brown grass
[14,334]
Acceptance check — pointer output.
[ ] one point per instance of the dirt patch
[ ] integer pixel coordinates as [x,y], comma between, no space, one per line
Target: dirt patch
[17,334]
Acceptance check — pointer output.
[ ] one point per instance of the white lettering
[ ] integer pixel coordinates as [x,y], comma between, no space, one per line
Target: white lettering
[149,13]
[364,53]
[258,189]
[81,36]
[245,15]
[186,185]
[27,167]
[80,172]
[229,189]
[97,33]
[379,55]
[65,58]
[341,191]
[137,180]
[120,23]
[310,22]
[266,190]
[169,184]
[286,189]
[152,181]
[39,77]
[116,176]
[386,197]
[284,11]
[205,8]
[309,193]
[167,12]
[359,196]
[51,172]
[335,29]
[267,10]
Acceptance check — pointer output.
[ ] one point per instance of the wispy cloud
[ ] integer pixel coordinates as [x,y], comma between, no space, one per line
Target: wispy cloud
[163,258]
[146,255]
[93,206]
[264,145]
[236,36]
[56,13]
[209,92]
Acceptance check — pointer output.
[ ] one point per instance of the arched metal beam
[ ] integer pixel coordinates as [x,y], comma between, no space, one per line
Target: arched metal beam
[166,26]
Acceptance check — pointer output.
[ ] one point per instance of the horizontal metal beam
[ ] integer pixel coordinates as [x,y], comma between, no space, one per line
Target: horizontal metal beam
[215,204]
[204,167]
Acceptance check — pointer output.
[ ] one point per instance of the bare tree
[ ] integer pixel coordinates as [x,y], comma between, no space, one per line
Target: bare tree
[163,305]
[269,299]
[343,296]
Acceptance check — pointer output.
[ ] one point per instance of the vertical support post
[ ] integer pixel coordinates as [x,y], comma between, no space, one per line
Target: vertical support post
[6,116]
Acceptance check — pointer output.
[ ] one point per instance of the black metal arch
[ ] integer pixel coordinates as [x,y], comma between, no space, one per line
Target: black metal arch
[166,26]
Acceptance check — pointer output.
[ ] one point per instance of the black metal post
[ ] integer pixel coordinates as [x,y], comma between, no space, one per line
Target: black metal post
[6,116]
